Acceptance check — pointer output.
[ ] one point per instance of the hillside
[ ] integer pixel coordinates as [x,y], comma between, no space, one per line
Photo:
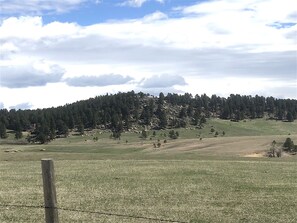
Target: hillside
[138,111]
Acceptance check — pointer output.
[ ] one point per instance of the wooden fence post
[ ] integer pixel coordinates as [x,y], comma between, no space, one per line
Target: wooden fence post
[49,191]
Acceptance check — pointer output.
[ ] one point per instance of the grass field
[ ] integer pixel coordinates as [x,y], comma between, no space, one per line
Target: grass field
[186,180]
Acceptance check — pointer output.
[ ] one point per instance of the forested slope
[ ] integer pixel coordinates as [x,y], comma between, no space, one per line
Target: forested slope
[122,111]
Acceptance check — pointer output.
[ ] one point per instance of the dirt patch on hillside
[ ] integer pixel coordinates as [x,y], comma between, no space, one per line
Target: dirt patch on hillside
[255,155]
[245,146]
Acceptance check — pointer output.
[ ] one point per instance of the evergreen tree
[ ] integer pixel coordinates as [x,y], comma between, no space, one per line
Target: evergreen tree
[144,134]
[3,133]
[18,131]
[163,119]
[196,117]
[290,117]
[18,134]
[190,110]
[161,99]
[52,127]
[81,129]
[202,120]
[132,109]
[226,114]
[183,112]
[173,134]
[146,115]
[154,133]
[116,135]
[62,128]
[42,133]
[289,145]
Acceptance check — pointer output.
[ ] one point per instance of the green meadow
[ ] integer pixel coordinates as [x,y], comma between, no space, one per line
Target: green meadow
[199,177]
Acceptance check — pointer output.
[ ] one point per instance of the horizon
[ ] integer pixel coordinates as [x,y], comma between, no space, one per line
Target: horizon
[156,96]
[54,53]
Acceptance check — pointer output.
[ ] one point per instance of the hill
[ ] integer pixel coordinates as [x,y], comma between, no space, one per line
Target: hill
[241,139]
[138,111]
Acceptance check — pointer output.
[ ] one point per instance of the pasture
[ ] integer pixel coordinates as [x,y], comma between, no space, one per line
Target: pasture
[215,179]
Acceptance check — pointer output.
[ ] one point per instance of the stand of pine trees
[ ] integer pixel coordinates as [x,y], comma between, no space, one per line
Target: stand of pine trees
[121,111]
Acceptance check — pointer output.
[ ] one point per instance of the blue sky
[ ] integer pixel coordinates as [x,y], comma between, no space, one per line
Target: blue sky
[92,12]
[76,49]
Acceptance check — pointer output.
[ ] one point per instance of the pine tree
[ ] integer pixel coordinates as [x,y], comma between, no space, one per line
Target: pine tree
[161,99]
[62,128]
[18,131]
[289,144]
[42,133]
[18,134]
[290,117]
[226,114]
[3,133]
[196,117]
[144,134]
[81,129]
[163,119]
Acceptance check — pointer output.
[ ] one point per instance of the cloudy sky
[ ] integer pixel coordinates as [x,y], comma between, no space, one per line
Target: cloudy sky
[54,52]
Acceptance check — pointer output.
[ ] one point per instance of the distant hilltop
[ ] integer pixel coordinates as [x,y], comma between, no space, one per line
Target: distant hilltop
[123,111]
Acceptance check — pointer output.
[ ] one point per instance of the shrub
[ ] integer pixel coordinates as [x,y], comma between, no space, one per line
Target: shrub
[289,145]
[173,135]
[144,134]
[279,153]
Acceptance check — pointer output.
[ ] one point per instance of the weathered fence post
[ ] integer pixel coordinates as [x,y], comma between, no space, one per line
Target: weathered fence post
[49,191]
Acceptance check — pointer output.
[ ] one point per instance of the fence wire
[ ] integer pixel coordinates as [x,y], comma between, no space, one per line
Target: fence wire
[93,212]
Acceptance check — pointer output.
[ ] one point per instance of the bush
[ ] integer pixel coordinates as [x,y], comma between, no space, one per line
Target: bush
[144,134]
[289,145]
[279,153]
[173,135]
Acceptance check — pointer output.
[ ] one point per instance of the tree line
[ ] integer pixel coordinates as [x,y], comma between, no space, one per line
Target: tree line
[119,112]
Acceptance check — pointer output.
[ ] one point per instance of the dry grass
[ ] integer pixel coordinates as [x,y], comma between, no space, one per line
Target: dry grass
[207,148]
[189,191]
[216,179]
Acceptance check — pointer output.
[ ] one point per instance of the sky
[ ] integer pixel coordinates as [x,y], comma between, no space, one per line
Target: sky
[54,52]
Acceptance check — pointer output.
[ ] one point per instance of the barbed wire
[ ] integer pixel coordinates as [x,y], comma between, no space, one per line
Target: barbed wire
[94,212]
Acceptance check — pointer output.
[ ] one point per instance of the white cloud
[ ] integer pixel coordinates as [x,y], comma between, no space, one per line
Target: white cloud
[240,39]
[54,94]
[28,75]
[102,80]
[26,105]
[264,11]
[137,3]
[133,3]
[245,22]
[29,28]
[162,81]
[241,85]
[155,16]
[7,49]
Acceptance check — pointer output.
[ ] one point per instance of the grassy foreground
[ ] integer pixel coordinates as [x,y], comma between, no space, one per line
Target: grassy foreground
[187,191]
[186,180]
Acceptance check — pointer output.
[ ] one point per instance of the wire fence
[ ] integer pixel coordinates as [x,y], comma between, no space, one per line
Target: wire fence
[94,212]
[50,203]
